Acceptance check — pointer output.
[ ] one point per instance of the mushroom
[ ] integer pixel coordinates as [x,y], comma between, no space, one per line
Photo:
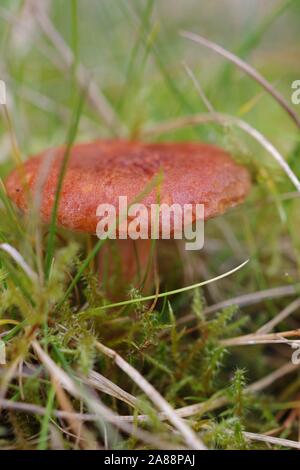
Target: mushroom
[102,171]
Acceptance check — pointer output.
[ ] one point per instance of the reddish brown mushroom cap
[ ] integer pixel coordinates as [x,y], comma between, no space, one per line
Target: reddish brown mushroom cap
[101,171]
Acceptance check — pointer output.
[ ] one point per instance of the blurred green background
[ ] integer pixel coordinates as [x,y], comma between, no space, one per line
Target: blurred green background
[133,51]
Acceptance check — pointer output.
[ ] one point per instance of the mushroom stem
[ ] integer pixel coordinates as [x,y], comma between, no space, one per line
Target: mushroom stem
[125,263]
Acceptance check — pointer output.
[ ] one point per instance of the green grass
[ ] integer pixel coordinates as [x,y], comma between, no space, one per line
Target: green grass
[55,351]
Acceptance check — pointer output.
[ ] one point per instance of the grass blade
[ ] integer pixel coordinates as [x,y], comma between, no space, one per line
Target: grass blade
[166,294]
[245,68]
[70,141]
